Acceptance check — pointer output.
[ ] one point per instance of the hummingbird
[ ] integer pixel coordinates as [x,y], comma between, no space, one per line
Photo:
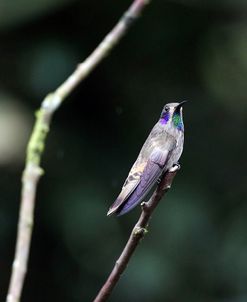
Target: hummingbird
[161,150]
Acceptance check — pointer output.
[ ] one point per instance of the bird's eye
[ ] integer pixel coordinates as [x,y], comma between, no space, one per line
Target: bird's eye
[166,108]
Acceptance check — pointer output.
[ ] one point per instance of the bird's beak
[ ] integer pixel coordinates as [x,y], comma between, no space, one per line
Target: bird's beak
[180,105]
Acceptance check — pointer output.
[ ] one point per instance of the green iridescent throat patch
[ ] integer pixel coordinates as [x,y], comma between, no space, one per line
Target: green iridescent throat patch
[177,121]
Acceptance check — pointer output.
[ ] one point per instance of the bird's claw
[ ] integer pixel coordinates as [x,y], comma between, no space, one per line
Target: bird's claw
[175,167]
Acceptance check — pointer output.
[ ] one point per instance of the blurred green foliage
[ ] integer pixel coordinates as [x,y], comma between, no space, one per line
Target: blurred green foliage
[196,247]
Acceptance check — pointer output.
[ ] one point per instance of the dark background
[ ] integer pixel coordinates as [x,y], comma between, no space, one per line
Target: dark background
[196,248]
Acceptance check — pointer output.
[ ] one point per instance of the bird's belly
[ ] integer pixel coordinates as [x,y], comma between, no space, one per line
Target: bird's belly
[174,157]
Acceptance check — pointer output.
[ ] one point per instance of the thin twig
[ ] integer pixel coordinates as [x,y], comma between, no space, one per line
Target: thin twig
[138,232]
[36,145]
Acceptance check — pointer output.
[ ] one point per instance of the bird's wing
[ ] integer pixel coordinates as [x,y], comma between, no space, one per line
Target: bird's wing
[149,177]
[148,153]
[130,184]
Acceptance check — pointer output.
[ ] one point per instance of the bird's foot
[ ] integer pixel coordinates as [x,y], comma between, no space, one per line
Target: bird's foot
[175,167]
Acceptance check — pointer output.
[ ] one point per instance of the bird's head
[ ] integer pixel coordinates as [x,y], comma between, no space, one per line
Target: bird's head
[172,114]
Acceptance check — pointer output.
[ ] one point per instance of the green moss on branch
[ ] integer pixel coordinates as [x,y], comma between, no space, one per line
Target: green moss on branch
[36,144]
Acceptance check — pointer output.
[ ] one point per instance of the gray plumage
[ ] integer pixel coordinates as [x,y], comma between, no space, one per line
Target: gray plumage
[161,150]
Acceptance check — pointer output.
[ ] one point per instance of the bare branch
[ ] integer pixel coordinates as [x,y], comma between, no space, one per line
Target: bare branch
[136,235]
[36,145]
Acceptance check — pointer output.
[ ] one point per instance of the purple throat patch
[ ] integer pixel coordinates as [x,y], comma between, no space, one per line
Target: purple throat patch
[165,118]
